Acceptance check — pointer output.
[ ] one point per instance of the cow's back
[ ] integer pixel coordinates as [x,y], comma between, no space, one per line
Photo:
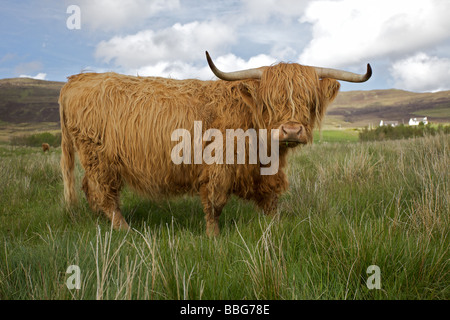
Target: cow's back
[130,121]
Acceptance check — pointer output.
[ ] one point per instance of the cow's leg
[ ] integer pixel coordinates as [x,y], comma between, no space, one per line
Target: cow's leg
[213,204]
[90,190]
[269,203]
[107,194]
[101,185]
[106,199]
[110,207]
[268,191]
[214,194]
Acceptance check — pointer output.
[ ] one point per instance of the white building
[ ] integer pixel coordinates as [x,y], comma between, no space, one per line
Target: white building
[416,121]
[388,123]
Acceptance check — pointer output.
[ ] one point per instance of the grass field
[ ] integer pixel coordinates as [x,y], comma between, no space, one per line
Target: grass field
[10,130]
[344,135]
[350,205]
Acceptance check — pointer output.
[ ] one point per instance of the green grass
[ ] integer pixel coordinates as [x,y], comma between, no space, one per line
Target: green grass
[343,135]
[436,112]
[37,139]
[12,131]
[349,206]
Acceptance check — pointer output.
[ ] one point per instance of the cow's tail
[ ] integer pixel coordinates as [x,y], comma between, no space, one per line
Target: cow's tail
[67,159]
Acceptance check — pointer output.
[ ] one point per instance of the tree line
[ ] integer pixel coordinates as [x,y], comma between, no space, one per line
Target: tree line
[401,132]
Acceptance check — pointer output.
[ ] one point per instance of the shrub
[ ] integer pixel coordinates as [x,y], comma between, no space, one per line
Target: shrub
[37,139]
[401,132]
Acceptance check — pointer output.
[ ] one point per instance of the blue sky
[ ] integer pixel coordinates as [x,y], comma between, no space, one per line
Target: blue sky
[407,42]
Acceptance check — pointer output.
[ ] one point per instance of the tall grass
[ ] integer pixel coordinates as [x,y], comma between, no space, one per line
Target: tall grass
[349,206]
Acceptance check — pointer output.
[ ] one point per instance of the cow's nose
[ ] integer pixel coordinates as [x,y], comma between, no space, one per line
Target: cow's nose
[291,132]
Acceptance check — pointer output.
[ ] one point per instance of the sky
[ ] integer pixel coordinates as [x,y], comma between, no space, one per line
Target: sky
[407,42]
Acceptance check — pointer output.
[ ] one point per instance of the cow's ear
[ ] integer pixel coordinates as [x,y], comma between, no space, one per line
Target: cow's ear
[329,89]
[248,90]
[248,93]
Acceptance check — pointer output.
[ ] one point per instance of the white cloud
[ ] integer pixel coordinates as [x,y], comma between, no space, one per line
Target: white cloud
[39,76]
[421,72]
[331,33]
[262,10]
[181,42]
[230,62]
[185,70]
[353,31]
[174,70]
[111,15]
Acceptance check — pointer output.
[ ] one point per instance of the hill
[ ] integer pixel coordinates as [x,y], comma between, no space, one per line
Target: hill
[24,100]
[361,108]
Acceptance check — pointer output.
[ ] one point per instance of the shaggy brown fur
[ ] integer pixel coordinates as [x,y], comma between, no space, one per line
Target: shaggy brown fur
[45,147]
[121,127]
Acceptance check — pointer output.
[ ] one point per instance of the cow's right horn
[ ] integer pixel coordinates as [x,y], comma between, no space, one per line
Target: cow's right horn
[255,73]
[344,75]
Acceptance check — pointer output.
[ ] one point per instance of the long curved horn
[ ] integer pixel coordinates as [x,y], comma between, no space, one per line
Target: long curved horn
[255,73]
[344,75]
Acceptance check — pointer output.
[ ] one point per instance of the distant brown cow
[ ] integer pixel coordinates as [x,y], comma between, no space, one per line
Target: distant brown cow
[121,126]
[45,147]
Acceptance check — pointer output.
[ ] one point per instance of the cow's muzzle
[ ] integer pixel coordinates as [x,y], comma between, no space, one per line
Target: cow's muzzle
[291,134]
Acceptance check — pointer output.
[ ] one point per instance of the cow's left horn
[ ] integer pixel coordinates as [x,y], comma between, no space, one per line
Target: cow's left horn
[344,75]
[255,73]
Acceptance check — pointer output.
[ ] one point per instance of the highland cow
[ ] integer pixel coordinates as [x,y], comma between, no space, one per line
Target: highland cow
[45,147]
[121,127]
